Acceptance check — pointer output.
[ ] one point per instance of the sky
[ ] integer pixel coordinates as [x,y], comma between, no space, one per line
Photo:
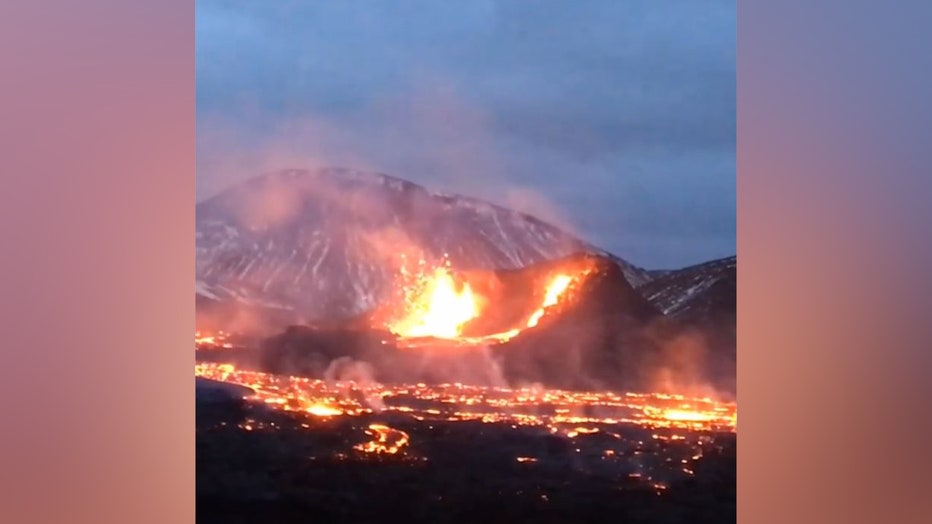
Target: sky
[614,119]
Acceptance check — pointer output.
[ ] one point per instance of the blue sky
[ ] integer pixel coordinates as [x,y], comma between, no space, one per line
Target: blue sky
[612,118]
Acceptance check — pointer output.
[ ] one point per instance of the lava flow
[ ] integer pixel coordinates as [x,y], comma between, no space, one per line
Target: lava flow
[437,309]
[386,440]
[217,340]
[564,411]
[437,306]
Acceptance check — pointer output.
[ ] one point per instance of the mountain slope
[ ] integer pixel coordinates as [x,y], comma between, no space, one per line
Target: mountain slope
[325,244]
[695,292]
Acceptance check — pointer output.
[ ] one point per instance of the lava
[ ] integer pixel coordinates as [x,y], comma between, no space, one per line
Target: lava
[568,412]
[217,340]
[385,440]
[437,306]
[554,291]
[652,438]
[438,309]
[323,410]
[581,431]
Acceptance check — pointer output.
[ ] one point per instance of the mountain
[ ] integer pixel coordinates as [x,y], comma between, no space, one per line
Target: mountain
[325,244]
[697,292]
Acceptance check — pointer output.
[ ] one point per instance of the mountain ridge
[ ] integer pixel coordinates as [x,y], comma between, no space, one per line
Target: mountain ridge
[693,290]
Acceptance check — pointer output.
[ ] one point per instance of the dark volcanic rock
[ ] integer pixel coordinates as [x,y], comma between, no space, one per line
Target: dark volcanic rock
[217,401]
[516,293]
[216,392]
[311,350]
[595,341]
[292,469]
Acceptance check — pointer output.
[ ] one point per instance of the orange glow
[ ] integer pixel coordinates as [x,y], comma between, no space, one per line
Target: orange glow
[490,405]
[686,416]
[554,291]
[386,440]
[439,310]
[323,410]
[203,339]
[581,431]
[218,340]
[437,307]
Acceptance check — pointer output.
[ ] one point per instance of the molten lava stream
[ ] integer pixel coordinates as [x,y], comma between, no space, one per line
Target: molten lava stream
[554,291]
[439,311]
[463,402]
[218,340]
[435,307]
[386,440]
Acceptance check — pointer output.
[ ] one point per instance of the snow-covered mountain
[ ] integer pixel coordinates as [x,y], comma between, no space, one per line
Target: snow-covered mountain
[325,244]
[695,292]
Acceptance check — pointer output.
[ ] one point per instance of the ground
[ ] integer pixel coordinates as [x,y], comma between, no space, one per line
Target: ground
[259,465]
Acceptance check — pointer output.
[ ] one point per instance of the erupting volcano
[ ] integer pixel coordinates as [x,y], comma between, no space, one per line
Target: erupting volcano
[460,337]
[472,345]
[570,323]
[440,303]
[309,262]
[437,309]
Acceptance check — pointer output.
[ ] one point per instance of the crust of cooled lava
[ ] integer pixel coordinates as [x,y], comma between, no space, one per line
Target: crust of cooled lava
[287,468]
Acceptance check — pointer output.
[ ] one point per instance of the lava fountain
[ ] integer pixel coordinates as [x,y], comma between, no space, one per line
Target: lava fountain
[438,309]
[439,304]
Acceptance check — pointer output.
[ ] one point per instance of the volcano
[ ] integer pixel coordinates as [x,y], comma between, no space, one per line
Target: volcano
[587,335]
[345,267]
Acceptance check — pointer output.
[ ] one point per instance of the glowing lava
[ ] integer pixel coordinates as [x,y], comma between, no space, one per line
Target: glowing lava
[218,340]
[686,416]
[386,440]
[323,410]
[571,410]
[554,291]
[436,306]
[439,310]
